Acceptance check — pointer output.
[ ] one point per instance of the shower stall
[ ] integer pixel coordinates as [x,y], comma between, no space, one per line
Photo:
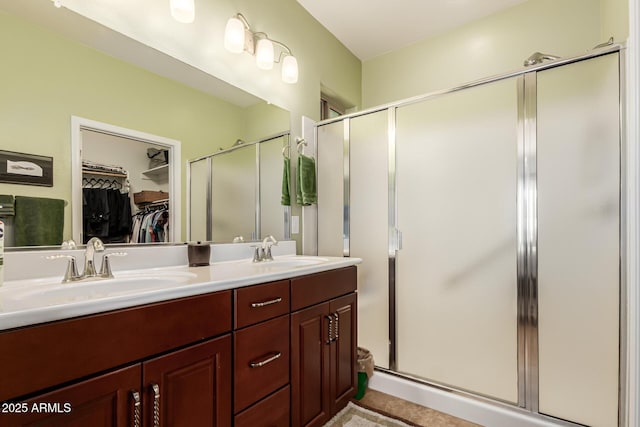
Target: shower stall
[489,219]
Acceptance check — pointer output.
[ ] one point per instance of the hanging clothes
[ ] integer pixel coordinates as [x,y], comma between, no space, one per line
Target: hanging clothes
[106,214]
[151,225]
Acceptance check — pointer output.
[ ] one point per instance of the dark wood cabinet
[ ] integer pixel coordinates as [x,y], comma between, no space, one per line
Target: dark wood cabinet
[323,351]
[189,387]
[106,400]
[230,357]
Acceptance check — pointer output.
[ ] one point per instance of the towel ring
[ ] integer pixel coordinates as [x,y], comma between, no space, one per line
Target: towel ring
[301,143]
[286,148]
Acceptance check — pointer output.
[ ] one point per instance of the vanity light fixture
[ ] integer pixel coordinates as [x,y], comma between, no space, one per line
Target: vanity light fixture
[183,10]
[238,38]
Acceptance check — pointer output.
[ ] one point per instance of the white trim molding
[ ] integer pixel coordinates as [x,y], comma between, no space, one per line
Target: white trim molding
[175,172]
[632,412]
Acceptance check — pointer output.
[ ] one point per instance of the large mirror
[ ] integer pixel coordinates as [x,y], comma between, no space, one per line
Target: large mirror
[232,193]
[58,65]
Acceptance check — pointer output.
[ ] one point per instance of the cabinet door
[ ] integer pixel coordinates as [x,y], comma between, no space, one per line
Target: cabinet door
[310,381]
[343,351]
[190,387]
[106,400]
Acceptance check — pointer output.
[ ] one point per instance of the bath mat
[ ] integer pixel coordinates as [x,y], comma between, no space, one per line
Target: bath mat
[356,416]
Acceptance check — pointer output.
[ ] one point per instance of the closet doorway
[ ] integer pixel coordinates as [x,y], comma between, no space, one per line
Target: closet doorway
[122,180]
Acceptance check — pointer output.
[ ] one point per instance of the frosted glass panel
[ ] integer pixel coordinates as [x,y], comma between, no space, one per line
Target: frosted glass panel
[578,255]
[330,189]
[456,278]
[198,200]
[369,237]
[233,195]
[271,167]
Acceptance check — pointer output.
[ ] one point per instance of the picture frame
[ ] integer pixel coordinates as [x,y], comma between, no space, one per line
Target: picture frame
[26,169]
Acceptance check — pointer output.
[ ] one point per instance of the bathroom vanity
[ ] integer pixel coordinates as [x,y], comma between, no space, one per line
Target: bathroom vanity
[276,347]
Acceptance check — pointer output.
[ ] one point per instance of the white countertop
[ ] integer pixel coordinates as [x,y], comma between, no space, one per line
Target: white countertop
[190,281]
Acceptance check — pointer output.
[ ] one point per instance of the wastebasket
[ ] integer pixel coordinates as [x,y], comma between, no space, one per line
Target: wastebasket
[365,371]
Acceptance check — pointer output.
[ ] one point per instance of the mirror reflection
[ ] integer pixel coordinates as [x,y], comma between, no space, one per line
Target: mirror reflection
[48,77]
[241,200]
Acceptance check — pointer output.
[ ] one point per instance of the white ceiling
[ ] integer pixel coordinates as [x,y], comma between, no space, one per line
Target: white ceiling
[369,28]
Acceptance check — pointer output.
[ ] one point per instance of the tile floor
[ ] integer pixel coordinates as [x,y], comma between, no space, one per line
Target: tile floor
[419,415]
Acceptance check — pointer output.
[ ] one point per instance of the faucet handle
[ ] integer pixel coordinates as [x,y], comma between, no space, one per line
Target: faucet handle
[105,270]
[68,244]
[71,273]
[257,256]
[267,253]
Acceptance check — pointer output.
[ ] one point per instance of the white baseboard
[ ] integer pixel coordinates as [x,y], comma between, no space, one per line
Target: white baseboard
[469,409]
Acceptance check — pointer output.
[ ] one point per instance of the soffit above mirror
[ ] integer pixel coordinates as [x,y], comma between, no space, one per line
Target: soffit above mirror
[90,33]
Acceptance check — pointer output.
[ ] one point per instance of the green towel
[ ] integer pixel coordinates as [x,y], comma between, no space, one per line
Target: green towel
[306,181]
[39,221]
[286,182]
[6,205]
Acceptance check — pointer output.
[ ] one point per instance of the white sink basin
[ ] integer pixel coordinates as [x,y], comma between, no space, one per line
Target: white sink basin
[291,262]
[55,293]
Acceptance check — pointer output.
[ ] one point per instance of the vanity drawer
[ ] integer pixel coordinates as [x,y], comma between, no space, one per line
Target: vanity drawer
[273,411]
[320,287]
[261,356]
[261,302]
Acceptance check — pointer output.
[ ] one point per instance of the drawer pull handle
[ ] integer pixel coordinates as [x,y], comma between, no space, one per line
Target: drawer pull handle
[156,405]
[330,330]
[265,361]
[262,304]
[136,408]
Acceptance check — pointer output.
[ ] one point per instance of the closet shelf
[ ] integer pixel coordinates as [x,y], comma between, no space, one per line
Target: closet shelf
[103,173]
[157,172]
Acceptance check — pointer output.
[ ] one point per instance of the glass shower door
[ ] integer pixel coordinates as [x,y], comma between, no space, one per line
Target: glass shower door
[578,154]
[456,287]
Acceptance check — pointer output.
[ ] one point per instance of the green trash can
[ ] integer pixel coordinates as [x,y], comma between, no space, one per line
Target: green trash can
[365,371]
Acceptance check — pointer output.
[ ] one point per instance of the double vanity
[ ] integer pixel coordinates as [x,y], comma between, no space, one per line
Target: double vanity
[239,343]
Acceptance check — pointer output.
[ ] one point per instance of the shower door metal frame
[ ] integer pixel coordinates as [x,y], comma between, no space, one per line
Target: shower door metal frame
[526,230]
[257,201]
[527,243]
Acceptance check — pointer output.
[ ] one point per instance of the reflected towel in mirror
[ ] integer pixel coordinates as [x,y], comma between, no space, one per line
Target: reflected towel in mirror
[7,207]
[39,221]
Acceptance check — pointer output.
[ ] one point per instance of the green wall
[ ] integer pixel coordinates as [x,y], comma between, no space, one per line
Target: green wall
[45,79]
[492,45]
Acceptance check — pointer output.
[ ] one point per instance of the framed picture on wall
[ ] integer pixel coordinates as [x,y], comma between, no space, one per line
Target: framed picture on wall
[26,169]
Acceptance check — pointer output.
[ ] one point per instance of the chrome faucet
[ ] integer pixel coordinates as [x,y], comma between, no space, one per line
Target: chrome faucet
[267,242]
[263,252]
[93,245]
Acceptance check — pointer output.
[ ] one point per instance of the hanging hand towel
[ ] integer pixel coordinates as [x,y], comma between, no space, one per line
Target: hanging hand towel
[306,181]
[6,205]
[39,221]
[286,182]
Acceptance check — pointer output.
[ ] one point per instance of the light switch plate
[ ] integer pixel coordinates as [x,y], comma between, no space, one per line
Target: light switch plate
[295,224]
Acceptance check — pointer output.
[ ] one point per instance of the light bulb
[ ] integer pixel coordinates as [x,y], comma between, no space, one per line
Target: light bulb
[183,10]
[234,35]
[290,69]
[264,54]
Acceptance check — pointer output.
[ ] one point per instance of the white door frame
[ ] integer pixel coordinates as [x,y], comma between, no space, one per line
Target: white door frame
[174,147]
